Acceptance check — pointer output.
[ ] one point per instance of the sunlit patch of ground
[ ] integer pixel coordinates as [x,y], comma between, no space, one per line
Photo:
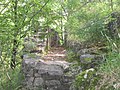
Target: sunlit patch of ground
[55,54]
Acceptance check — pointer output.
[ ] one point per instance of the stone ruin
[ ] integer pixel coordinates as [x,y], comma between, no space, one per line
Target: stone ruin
[40,74]
[51,75]
[45,75]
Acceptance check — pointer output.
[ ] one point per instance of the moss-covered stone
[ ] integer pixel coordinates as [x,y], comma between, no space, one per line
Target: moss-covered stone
[86,80]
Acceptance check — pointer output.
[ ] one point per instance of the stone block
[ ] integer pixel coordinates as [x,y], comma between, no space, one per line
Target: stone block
[38,82]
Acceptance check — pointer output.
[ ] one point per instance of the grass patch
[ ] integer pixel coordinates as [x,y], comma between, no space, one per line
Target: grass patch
[110,72]
[10,79]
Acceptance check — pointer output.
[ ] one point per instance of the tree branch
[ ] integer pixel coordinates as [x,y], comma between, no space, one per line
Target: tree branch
[6,5]
[33,17]
[81,7]
[64,11]
[38,11]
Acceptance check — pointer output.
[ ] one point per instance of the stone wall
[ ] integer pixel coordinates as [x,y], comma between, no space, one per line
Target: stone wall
[55,75]
[45,75]
[40,74]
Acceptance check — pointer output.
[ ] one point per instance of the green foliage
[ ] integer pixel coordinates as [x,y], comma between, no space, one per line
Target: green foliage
[71,56]
[87,20]
[110,72]
[86,80]
[11,79]
[21,18]
[84,20]
[112,62]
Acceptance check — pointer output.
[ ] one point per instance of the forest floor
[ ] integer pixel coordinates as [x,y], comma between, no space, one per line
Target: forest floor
[55,54]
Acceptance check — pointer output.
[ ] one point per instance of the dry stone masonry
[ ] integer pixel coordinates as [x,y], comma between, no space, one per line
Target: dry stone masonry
[53,75]
[45,75]
[40,74]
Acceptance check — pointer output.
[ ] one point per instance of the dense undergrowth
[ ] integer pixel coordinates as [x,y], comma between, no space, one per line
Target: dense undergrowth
[96,26]
[11,79]
[104,76]
[110,72]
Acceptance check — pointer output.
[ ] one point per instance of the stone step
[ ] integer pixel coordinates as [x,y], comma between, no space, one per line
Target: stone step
[39,36]
[41,33]
[41,45]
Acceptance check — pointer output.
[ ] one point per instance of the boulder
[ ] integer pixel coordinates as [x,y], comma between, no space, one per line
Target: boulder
[86,58]
[38,82]
[91,60]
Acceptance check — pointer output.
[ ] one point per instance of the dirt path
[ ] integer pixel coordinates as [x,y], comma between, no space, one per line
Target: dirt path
[55,54]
